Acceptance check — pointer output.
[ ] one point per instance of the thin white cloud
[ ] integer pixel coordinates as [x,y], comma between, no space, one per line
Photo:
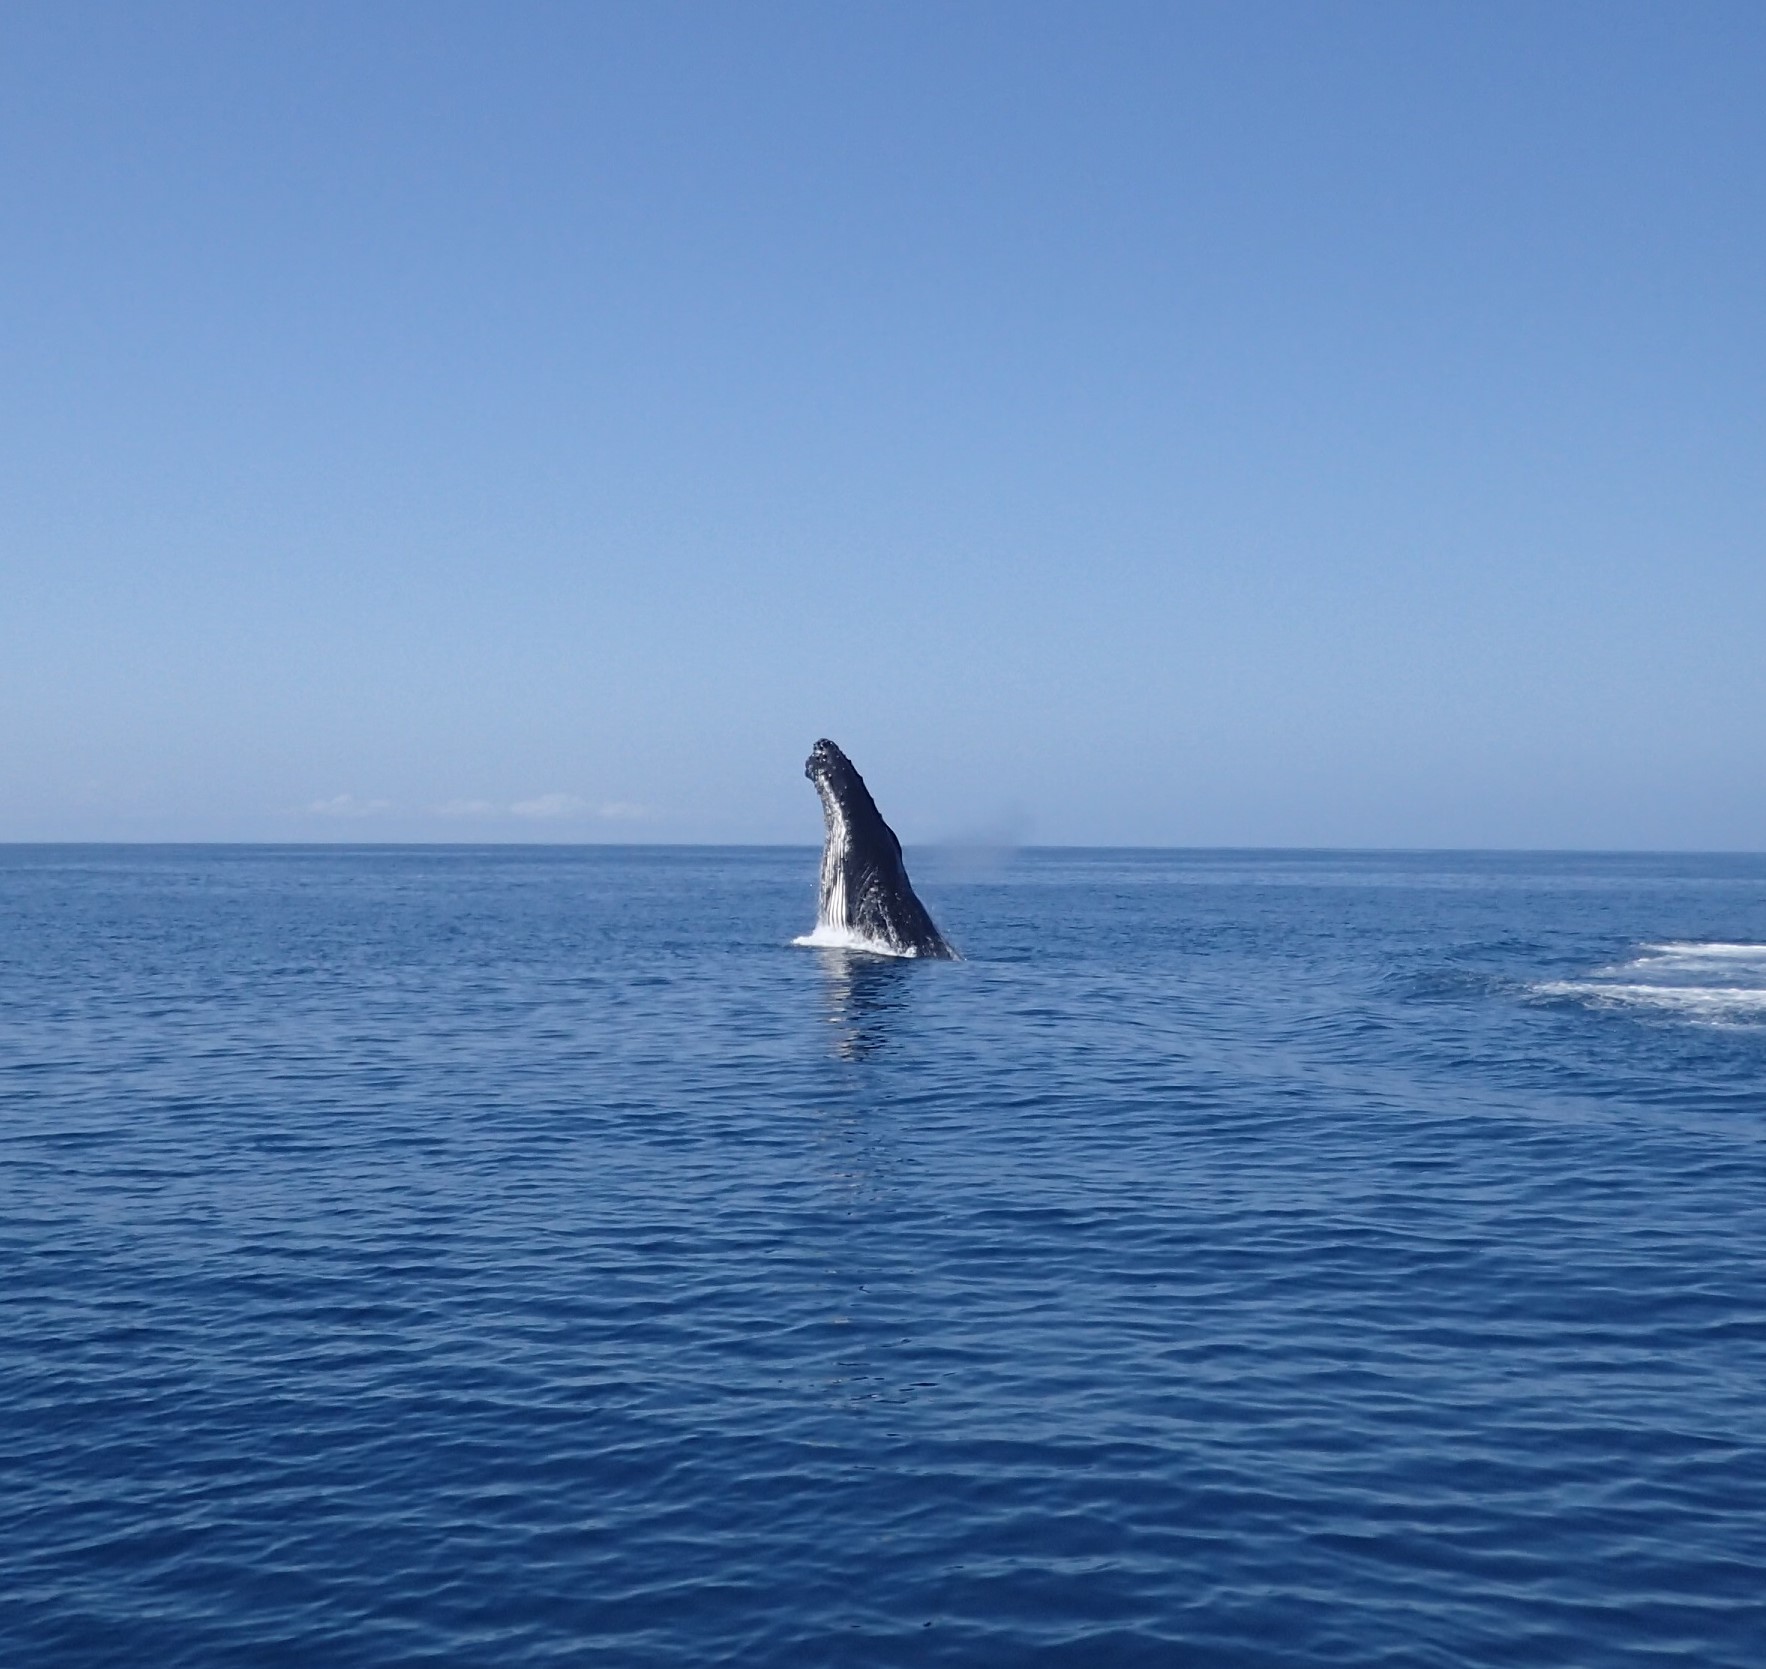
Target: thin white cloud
[469,808]
[621,811]
[347,805]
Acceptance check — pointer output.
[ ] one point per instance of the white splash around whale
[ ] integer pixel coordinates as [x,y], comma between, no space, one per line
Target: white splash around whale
[826,936]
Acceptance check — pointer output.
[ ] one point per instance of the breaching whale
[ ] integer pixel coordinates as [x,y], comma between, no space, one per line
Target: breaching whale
[867,900]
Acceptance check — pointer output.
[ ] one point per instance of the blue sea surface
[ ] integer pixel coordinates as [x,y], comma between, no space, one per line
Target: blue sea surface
[519,1257]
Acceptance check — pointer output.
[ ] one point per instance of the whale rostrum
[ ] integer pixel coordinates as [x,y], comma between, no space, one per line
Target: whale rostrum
[867,901]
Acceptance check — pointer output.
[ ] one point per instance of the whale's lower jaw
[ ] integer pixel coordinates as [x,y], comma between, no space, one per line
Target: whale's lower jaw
[867,902]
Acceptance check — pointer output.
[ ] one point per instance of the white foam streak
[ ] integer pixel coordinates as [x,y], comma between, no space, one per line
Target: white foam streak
[1692,955]
[1711,981]
[1707,1000]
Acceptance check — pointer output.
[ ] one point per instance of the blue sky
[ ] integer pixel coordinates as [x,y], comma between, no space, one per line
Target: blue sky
[1295,424]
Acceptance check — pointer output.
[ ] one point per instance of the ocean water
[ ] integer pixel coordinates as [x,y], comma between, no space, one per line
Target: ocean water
[528,1257]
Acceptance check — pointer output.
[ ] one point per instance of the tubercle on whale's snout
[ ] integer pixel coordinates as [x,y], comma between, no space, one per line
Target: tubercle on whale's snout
[827,765]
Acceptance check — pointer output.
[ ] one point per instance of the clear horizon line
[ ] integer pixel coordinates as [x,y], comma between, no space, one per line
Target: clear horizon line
[923,846]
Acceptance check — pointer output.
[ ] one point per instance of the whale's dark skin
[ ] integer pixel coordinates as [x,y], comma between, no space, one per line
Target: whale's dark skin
[865,886]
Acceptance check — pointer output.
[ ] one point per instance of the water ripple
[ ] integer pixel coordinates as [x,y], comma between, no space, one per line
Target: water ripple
[530,1258]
